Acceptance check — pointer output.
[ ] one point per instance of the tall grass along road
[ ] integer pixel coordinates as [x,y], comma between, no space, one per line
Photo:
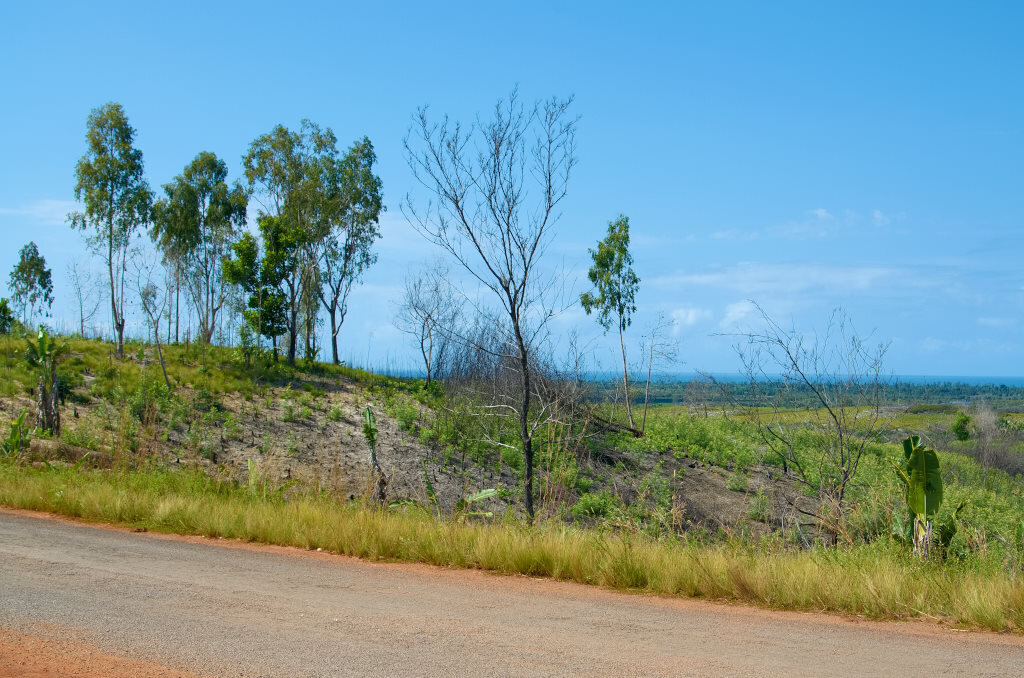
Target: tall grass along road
[205,608]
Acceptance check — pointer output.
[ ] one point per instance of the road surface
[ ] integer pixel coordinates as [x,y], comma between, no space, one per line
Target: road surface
[90,601]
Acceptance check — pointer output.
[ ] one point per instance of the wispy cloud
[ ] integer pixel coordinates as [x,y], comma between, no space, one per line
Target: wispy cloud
[755,279]
[997,322]
[687,316]
[733,234]
[736,312]
[821,213]
[43,212]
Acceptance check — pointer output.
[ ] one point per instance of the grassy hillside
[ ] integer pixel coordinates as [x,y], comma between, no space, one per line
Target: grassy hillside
[697,506]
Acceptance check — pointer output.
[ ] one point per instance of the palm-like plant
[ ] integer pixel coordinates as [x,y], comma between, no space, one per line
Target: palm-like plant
[45,354]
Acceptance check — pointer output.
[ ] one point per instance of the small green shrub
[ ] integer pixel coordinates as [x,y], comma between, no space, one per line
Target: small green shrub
[595,505]
[760,506]
[82,436]
[287,411]
[334,414]
[961,426]
[407,414]
[737,481]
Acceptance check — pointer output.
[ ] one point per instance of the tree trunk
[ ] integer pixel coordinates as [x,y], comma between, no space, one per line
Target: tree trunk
[115,317]
[647,388]
[160,355]
[47,415]
[177,306]
[524,422]
[625,377]
[334,338]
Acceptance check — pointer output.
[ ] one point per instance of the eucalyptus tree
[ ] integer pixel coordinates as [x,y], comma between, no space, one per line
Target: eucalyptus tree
[258,275]
[277,170]
[110,184]
[31,284]
[496,189]
[7,320]
[194,225]
[349,204]
[615,287]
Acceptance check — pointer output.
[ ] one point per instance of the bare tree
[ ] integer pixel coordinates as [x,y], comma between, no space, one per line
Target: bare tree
[842,378]
[155,302]
[987,426]
[85,286]
[428,312]
[497,185]
[659,349]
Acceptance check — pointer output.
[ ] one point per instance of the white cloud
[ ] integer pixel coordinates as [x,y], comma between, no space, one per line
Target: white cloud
[688,316]
[736,312]
[734,235]
[997,322]
[45,212]
[821,213]
[757,279]
[880,218]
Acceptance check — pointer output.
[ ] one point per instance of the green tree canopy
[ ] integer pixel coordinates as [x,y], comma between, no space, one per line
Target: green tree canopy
[348,221]
[259,276]
[31,284]
[195,225]
[612,275]
[7,319]
[278,170]
[110,183]
[615,287]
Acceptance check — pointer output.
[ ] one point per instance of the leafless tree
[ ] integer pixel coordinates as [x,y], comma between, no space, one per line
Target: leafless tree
[497,186]
[86,287]
[821,447]
[988,446]
[429,312]
[155,300]
[659,350]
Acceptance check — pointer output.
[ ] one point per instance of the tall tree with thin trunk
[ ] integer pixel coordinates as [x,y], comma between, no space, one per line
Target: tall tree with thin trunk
[350,204]
[31,284]
[195,226]
[277,167]
[110,183]
[497,187]
[614,297]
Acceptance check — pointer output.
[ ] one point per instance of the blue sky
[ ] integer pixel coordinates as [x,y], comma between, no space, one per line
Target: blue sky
[801,155]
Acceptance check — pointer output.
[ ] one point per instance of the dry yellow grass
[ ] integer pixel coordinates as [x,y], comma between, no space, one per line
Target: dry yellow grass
[879,580]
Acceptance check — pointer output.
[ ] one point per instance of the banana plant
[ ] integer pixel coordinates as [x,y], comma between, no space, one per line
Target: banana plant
[44,354]
[922,483]
[17,439]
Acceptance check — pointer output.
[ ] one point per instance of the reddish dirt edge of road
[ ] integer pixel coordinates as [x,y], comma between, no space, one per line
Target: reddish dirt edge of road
[25,656]
[54,654]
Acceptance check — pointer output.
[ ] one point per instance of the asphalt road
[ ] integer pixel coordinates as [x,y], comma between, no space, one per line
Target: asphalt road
[209,607]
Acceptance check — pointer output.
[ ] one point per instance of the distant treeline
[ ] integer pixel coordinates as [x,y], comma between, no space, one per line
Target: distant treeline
[697,393]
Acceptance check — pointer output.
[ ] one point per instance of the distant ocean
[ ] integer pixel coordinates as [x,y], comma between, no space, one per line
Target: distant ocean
[915,379]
